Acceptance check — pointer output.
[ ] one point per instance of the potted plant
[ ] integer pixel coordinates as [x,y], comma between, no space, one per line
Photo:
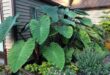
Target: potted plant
[55,36]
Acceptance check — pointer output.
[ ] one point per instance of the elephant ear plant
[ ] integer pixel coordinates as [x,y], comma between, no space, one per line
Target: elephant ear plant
[55,37]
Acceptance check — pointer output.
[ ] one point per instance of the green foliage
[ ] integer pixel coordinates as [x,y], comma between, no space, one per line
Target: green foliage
[80,12]
[94,34]
[55,55]
[51,11]
[86,21]
[20,53]
[32,67]
[69,13]
[105,23]
[68,54]
[2,68]
[85,37]
[66,31]
[6,26]
[68,22]
[90,62]
[40,29]
[72,30]
[48,69]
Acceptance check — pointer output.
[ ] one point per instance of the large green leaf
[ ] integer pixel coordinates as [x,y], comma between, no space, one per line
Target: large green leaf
[40,29]
[20,53]
[55,55]
[51,11]
[34,28]
[68,22]
[68,54]
[86,21]
[6,26]
[66,31]
[85,37]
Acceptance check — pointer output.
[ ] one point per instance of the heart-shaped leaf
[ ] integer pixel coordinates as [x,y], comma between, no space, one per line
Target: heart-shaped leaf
[40,29]
[55,55]
[66,31]
[51,11]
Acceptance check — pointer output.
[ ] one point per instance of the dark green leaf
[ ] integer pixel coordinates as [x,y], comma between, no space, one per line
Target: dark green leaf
[55,55]
[51,11]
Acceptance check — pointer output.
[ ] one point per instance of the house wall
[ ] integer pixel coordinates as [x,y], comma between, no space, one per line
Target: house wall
[23,7]
[7,10]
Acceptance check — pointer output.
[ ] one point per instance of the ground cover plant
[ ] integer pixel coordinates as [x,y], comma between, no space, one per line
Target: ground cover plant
[54,43]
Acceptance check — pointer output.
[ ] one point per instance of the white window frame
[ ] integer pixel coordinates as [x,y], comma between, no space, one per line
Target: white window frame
[1,44]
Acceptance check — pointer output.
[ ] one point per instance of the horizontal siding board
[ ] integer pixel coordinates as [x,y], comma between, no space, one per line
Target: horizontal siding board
[23,7]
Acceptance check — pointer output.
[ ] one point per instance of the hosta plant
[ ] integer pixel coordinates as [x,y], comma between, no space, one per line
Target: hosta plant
[54,38]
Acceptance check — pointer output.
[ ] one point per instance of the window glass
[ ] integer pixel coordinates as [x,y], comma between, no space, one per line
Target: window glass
[1,47]
[1,44]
